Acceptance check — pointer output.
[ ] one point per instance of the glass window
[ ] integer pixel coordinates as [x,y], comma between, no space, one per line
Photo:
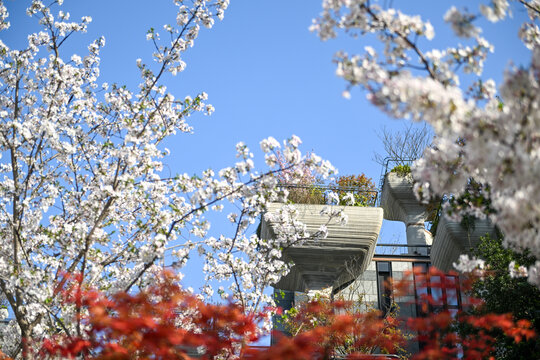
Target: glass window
[435,293]
[384,289]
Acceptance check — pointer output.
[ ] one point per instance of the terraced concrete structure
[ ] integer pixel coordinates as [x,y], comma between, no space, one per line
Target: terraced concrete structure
[322,263]
[400,204]
[453,239]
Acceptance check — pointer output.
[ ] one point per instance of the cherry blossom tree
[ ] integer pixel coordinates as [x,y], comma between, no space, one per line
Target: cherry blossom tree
[482,131]
[81,182]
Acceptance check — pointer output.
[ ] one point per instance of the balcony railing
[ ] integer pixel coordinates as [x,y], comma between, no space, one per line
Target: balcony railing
[320,194]
[402,249]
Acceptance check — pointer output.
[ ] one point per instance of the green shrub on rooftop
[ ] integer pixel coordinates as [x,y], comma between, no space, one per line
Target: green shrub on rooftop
[402,170]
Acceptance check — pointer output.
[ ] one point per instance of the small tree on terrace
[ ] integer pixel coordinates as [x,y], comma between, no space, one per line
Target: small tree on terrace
[403,145]
[356,190]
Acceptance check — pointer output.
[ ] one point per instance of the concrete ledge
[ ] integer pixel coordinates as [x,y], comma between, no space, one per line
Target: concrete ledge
[321,263]
[453,240]
[398,199]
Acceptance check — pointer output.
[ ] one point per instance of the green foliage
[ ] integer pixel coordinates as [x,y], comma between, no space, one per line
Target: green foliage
[402,170]
[475,196]
[363,189]
[306,187]
[435,217]
[502,294]
[306,194]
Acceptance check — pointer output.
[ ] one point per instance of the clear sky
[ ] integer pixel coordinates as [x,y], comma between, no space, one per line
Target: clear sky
[266,75]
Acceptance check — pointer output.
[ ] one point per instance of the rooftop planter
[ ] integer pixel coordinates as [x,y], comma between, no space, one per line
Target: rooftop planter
[320,264]
[398,199]
[454,239]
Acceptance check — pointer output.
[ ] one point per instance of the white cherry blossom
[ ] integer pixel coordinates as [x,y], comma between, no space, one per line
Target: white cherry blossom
[82,185]
[483,131]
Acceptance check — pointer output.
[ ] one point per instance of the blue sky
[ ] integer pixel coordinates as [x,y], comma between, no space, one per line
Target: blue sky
[266,75]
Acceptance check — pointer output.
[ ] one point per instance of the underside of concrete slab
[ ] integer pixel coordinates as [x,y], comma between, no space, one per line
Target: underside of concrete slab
[340,257]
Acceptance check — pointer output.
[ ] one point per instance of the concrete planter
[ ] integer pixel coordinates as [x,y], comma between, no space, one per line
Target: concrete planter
[320,264]
[400,204]
[452,240]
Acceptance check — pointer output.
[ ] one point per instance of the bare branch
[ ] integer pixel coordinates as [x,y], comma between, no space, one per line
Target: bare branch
[405,144]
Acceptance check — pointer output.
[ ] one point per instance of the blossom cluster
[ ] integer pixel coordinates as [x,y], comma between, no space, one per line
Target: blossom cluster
[82,187]
[480,133]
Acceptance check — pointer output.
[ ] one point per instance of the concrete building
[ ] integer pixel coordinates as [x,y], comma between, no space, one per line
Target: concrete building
[354,265]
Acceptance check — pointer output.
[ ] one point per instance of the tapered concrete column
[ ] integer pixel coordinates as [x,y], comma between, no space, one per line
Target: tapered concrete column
[400,204]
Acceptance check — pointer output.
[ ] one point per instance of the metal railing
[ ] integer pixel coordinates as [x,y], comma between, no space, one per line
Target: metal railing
[402,249]
[319,194]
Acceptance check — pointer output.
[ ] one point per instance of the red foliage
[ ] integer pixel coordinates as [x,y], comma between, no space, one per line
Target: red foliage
[340,329]
[437,331]
[163,322]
